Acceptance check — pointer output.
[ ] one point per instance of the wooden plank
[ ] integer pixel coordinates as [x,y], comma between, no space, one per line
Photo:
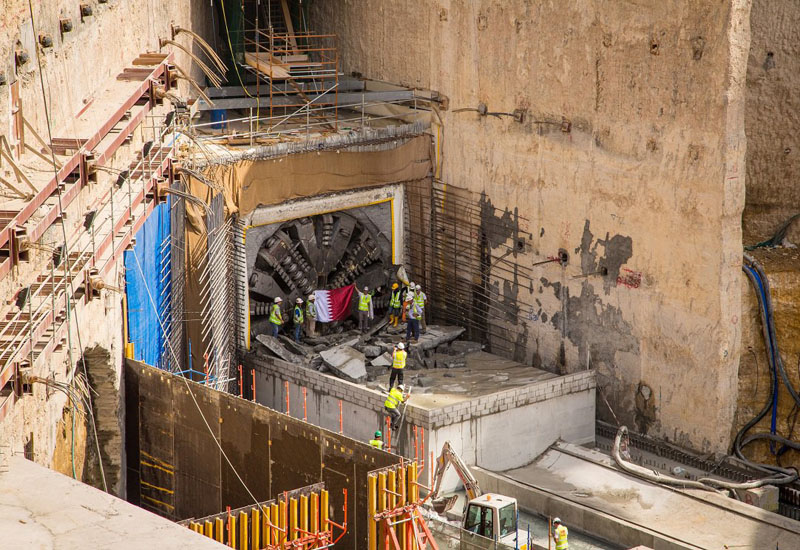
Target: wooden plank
[289,27]
[263,64]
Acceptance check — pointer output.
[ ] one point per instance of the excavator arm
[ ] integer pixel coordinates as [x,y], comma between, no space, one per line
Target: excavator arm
[449,456]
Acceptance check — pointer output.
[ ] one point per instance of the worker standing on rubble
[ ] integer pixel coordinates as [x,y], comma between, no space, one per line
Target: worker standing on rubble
[408,295]
[377,441]
[398,364]
[275,316]
[298,319]
[395,397]
[560,535]
[394,305]
[311,315]
[364,303]
[413,313]
[420,299]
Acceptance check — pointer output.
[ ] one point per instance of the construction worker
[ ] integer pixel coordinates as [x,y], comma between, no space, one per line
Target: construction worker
[394,305]
[395,397]
[408,295]
[413,313]
[377,442]
[298,318]
[275,316]
[398,364]
[311,316]
[420,299]
[364,303]
[560,535]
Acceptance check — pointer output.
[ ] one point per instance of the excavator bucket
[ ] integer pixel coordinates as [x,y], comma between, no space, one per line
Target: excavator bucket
[442,505]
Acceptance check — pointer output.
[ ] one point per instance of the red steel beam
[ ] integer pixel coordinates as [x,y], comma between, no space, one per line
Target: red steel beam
[73,162]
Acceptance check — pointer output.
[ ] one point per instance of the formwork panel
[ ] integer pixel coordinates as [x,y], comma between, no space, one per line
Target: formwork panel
[270,450]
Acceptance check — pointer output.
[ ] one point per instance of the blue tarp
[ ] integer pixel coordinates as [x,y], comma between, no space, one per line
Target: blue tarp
[147,287]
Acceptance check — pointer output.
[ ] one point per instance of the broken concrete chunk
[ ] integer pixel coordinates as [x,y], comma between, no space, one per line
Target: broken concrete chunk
[276,347]
[383,360]
[438,335]
[371,351]
[464,346]
[346,362]
[293,346]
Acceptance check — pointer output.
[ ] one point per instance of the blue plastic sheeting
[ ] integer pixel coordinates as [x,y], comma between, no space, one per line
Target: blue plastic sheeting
[147,282]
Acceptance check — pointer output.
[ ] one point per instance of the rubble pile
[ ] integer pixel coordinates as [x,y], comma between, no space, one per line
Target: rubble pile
[361,358]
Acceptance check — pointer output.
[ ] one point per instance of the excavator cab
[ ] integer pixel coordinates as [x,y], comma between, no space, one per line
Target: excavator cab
[491,517]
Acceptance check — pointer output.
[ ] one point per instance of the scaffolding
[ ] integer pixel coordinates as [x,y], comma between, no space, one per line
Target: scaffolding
[299,69]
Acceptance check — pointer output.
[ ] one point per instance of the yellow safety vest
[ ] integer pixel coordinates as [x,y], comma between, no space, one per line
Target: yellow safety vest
[298,314]
[377,443]
[311,310]
[395,301]
[399,360]
[275,315]
[560,536]
[395,398]
[419,299]
[363,302]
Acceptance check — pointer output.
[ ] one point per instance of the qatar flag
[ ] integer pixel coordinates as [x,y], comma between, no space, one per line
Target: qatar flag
[333,305]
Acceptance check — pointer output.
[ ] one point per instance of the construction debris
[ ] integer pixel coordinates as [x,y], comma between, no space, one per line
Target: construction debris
[277,348]
[346,362]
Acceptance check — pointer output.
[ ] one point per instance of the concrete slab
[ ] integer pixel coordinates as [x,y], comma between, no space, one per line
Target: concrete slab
[275,346]
[346,362]
[383,360]
[588,492]
[41,508]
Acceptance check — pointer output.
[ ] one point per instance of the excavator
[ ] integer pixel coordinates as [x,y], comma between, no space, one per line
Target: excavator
[488,515]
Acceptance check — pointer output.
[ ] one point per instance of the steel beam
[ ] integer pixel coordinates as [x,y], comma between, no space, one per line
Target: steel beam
[344,99]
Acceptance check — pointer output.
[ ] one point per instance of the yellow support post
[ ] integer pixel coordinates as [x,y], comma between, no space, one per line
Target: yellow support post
[208,529]
[413,494]
[282,522]
[401,501]
[232,534]
[323,511]
[303,525]
[274,514]
[292,518]
[243,538]
[372,508]
[194,526]
[382,504]
[219,530]
[314,513]
[255,529]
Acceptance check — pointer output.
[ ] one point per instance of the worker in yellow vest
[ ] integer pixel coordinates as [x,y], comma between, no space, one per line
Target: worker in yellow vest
[398,364]
[560,535]
[395,397]
[420,299]
[377,442]
[298,318]
[311,316]
[364,303]
[275,316]
[394,305]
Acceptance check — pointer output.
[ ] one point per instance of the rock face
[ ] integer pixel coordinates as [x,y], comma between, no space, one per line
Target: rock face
[346,362]
[621,149]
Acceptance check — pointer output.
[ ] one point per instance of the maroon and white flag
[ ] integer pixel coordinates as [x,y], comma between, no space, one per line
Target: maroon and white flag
[333,305]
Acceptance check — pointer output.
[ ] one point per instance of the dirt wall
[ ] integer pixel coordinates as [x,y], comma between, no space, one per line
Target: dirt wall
[772,120]
[630,157]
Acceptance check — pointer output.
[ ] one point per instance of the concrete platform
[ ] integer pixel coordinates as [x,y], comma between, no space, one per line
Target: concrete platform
[588,492]
[496,413]
[42,509]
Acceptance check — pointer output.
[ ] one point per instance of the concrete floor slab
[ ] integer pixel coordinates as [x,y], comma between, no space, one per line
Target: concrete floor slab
[41,508]
[585,489]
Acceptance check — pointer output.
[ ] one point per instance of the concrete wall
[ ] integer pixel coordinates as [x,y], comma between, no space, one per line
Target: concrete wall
[98,48]
[630,157]
[503,430]
[771,119]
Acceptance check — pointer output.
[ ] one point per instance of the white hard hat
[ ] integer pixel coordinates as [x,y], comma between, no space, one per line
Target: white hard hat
[411,284]
[299,300]
[312,297]
[401,387]
[418,287]
[278,300]
[401,346]
[556,520]
[366,287]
